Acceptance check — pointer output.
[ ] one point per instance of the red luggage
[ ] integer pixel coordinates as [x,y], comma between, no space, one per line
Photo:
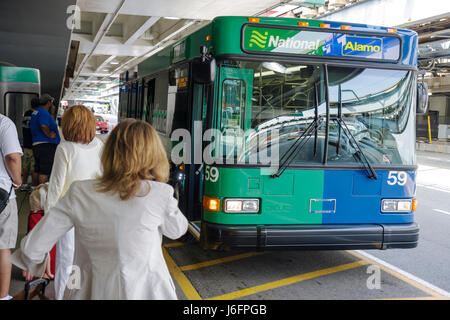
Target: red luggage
[33,219]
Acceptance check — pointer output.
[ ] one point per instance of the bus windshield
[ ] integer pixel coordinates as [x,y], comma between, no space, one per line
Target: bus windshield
[267,105]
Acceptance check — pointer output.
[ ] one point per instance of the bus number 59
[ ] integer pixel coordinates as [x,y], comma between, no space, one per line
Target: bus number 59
[211,174]
[396,177]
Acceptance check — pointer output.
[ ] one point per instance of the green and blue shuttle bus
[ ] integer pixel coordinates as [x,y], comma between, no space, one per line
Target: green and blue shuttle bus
[301,132]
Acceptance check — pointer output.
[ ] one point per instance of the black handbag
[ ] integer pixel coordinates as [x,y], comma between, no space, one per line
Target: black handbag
[4,198]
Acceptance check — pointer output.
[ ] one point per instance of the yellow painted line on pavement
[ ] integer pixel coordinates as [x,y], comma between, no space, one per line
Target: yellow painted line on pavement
[289,281]
[173,244]
[182,280]
[219,261]
[398,275]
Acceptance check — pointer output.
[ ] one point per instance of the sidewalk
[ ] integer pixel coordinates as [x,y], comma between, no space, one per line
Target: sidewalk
[434,146]
[17,280]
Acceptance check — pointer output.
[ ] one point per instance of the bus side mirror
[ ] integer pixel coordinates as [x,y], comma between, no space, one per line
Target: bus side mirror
[204,68]
[422,98]
[204,72]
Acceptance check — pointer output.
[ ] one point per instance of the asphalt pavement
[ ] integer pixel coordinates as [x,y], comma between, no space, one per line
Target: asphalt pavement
[430,261]
[419,273]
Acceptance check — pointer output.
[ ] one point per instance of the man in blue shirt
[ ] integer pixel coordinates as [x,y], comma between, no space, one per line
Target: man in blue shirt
[45,136]
[28,157]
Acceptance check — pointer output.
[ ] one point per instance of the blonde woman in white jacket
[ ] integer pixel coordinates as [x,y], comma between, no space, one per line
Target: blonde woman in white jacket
[76,158]
[119,222]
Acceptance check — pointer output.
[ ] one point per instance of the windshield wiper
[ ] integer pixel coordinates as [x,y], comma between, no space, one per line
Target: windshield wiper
[296,146]
[359,154]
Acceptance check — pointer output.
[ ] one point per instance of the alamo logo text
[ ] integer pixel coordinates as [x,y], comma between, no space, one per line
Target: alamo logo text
[361,45]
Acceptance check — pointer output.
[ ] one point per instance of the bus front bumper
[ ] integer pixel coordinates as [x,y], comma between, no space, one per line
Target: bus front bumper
[324,237]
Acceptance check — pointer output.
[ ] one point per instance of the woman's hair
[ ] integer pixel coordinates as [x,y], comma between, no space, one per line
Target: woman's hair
[38,196]
[133,152]
[78,124]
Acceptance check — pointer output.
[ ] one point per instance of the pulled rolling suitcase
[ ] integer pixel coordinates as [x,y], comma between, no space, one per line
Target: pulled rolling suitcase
[33,219]
[33,288]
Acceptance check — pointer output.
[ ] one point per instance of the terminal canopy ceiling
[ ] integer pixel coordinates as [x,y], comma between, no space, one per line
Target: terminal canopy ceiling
[111,36]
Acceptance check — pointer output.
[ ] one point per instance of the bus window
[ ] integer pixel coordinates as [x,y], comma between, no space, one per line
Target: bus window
[150,100]
[161,103]
[123,101]
[140,101]
[232,116]
[272,104]
[233,104]
[374,104]
[177,100]
[144,102]
[133,100]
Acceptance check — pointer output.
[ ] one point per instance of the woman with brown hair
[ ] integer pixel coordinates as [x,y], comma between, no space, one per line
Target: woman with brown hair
[76,158]
[119,222]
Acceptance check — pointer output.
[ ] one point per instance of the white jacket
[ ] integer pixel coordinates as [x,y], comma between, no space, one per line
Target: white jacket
[73,162]
[118,252]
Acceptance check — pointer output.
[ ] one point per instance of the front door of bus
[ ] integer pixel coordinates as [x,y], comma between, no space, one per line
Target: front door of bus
[234,112]
[201,98]
[238,84]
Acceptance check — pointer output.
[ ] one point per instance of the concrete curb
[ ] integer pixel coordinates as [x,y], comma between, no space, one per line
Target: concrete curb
[433,147]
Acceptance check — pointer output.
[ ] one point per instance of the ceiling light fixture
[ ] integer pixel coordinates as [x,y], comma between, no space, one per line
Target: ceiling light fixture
[274,66]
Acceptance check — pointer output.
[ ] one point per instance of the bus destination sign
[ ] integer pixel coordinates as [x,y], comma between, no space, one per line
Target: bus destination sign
[263,40]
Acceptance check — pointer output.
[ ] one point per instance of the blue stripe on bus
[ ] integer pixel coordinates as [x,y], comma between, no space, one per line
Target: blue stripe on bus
[358,198]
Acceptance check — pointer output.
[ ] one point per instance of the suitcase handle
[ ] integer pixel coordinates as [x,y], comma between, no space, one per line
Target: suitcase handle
[35,283]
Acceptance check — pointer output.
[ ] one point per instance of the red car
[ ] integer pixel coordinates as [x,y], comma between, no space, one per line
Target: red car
[101,124]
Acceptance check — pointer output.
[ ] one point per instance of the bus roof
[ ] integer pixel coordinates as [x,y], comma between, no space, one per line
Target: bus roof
[233,36]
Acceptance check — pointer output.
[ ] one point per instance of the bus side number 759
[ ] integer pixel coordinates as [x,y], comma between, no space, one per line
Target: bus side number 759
[397,177]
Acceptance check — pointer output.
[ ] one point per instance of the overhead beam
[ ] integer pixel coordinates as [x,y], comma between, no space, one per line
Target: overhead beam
[158,46]
[95,71]
[104,63]
[95,74]
[104,28]
[141,30]
[118,49]
[91,81]
[99,67]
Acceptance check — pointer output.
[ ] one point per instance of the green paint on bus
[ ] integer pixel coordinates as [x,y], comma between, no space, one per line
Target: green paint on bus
[18,74]
[285,200]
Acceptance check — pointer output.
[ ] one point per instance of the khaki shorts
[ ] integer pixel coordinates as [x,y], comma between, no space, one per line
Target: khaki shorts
[28,160]
[9,225]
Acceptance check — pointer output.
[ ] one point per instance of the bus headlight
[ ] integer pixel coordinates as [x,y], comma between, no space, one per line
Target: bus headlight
[396,205]
[241,205]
